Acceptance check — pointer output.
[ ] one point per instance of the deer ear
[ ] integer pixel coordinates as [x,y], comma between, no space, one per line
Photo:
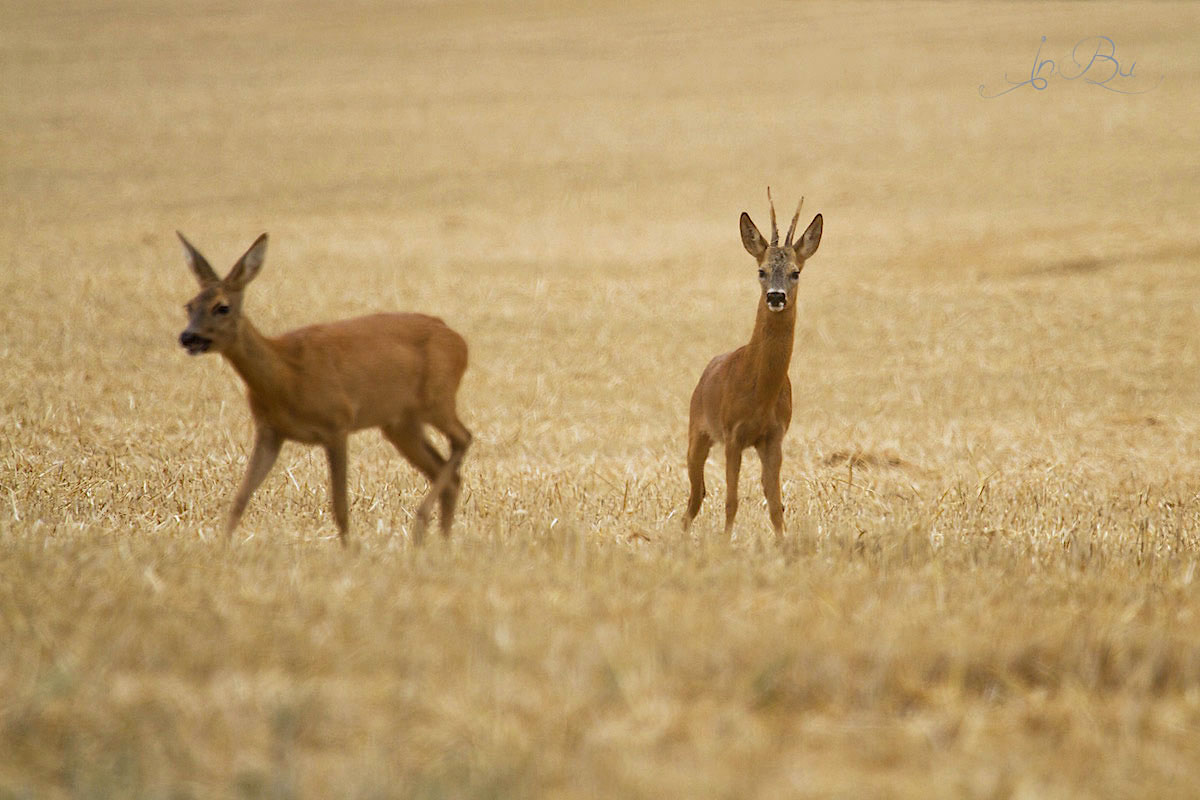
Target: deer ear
[752,240]
[199,266]
[248,265]
[810,240]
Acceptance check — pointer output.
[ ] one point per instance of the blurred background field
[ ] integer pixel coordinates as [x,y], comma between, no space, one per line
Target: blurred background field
[988,587]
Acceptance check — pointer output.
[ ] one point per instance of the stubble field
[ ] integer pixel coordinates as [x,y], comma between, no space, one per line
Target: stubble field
[989,582]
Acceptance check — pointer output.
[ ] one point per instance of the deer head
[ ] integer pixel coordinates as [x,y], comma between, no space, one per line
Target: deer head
[779,266]
[215,313]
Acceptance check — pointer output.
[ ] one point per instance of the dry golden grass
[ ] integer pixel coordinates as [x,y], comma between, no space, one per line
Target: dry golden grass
[989,586]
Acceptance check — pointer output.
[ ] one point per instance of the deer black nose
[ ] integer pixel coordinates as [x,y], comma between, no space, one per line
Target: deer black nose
[776,298]
[194,343]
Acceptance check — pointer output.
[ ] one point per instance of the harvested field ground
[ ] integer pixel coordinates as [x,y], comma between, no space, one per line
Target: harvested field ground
[989,582]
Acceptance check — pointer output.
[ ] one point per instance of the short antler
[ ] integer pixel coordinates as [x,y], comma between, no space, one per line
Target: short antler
[788,242]
[774,227]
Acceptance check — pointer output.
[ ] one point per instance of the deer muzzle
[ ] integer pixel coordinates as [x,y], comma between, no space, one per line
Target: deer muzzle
[776,301]
[194,343]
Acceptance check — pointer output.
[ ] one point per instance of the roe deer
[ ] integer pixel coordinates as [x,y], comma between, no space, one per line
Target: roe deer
[744,398]
[316,385]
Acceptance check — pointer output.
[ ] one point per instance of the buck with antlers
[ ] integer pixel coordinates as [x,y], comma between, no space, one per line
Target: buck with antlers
[744,398]
[316,385]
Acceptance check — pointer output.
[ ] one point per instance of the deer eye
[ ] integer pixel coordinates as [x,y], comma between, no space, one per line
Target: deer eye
[762,273]
[796,275]
[221,309]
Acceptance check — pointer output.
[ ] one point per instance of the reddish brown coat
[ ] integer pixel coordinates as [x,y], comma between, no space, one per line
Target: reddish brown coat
[319,384]
[744,397]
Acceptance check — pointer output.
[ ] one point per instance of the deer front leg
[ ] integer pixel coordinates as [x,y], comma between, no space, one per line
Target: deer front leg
[699,444]
[335,451]
[770,452]
[733,470]
[266,449]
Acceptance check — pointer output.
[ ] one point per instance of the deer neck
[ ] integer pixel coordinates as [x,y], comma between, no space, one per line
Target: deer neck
[770,350]
[255,358]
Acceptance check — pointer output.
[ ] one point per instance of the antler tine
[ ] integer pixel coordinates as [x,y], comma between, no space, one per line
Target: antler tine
[774,227]
[788,242]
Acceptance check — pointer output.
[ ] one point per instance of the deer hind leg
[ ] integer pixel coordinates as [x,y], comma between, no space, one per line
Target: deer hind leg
[448,482]
[267,444]
[699,444]
[336,453]
[410,440]
[770,452]
[733,471]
